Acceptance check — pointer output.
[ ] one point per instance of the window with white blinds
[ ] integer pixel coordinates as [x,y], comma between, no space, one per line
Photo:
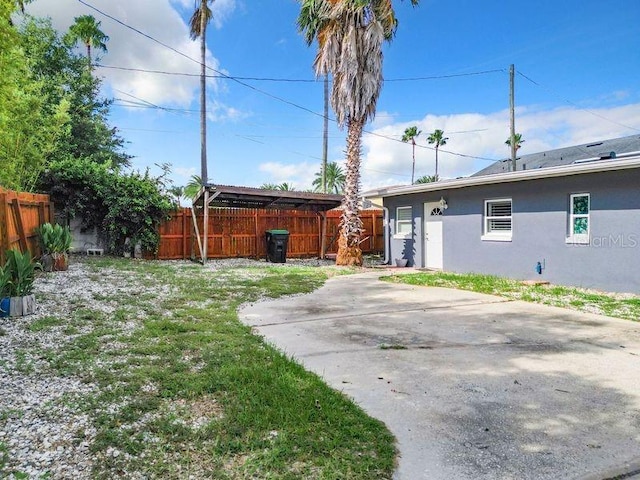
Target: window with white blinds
[404,221]
[497,219]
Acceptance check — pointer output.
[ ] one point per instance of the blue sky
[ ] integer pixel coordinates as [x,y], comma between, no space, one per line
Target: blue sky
[577,63]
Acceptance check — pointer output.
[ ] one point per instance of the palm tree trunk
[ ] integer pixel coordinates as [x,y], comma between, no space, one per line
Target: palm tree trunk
[436,162]
[203,103]
[349,252]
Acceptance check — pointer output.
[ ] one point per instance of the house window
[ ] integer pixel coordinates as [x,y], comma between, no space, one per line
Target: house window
[579,207]
[497,220]
[404,221]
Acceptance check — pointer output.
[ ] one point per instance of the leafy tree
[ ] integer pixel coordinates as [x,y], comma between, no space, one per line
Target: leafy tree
[334,179]
[410,135]
[438,139]
[29,131]
[64,75]
[86,30]
[427,179]
[350,34]
[198,29]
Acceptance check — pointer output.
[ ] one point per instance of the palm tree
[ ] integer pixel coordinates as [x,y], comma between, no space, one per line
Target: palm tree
[284,187]
[427,179]
[86,30]
[17,5]
[350,35]
[192,188]
[334,179]
[518,141]
[410,135]
[437,138]
[198,29]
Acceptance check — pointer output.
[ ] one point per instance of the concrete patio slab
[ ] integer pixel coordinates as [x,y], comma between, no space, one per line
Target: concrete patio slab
[473,386]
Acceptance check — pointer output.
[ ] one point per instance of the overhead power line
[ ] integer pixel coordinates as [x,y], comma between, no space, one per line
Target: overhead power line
[240,82]
[569,102]
[283,80]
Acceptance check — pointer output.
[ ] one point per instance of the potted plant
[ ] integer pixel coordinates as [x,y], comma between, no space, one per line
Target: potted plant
[5,290]
[55,242]
[22,270]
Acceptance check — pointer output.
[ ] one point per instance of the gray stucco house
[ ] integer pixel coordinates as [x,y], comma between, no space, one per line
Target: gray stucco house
[571,224]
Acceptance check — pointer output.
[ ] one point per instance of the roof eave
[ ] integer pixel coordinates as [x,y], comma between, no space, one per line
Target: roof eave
[508,177]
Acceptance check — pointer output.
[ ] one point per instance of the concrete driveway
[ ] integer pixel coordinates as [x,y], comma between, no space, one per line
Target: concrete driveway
[475,386]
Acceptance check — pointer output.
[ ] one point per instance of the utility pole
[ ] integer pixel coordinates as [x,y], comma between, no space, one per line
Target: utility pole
[325,153]
[325,134]
[512,113]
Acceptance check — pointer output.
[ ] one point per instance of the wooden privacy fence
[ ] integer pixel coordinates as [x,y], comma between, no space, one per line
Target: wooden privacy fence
[20,215]
[239,232]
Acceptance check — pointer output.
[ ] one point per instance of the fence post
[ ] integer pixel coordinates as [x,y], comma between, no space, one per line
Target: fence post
[185,232]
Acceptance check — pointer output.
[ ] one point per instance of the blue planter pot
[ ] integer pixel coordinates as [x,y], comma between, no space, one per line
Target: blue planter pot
[4,306]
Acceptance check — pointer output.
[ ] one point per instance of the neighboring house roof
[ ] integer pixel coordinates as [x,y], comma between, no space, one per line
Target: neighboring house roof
[622,162]
[568,155]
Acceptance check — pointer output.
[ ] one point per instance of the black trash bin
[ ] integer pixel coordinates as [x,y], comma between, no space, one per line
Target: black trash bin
[277,241]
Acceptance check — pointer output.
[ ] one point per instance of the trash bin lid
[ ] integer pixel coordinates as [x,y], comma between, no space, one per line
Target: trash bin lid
[279,232]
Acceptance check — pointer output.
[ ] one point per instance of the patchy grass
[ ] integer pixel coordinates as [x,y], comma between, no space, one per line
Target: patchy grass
[610,304]
[184,390]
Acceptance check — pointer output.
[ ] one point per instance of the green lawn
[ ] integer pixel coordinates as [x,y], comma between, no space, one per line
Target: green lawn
[614,305]
[184,390]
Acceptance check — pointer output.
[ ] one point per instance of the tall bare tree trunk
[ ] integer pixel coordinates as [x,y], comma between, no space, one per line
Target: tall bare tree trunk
[203,101]
[349,252]
[436,162]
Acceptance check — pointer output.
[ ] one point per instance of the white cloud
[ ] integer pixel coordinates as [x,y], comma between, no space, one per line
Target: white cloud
[386,162]
[128,49]
[185,173]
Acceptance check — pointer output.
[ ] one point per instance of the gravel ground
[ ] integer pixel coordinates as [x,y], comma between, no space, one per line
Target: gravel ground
[43,432]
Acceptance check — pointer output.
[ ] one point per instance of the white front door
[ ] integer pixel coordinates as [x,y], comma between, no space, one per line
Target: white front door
[433,245]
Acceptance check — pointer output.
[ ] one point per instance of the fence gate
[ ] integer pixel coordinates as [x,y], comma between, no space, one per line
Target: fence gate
[20,215]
